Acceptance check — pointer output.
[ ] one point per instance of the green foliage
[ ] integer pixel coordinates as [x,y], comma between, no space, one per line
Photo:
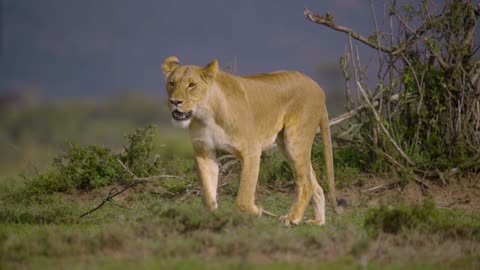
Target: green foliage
[424,217]
[348,161]
[48,182]
[139,155]
[88,167]
[163,230]
[184,218]
[275,169]
[430,124]
[94,166]
[50,213]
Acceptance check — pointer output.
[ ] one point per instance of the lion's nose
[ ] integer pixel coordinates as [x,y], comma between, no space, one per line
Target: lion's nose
[176,102]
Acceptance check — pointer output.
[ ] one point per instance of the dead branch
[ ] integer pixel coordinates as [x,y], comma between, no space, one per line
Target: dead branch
[380,187]
[268,213]
[345,116]
[432,50]
[327,20]
[384,129]
[225,157]
[114,192]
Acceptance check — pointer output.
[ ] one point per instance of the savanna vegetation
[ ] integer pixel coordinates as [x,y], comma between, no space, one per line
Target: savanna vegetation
[108,184]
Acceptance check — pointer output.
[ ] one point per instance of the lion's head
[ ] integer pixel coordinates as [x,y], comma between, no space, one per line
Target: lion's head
[186,87]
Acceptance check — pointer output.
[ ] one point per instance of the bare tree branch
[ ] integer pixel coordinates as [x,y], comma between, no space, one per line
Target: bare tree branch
[439,58]
[359,109]
[327,20]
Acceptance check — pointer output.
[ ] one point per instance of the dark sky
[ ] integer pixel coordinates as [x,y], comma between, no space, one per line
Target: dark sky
[99,47]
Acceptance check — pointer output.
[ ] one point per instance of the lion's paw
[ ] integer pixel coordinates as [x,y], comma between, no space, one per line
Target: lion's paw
[259,211]
[288,221]
[315,222]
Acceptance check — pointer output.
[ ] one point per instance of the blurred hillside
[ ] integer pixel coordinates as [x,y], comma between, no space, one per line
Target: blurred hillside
[33,130]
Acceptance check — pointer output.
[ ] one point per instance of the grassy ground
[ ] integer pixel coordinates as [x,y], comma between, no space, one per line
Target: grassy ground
[159,231]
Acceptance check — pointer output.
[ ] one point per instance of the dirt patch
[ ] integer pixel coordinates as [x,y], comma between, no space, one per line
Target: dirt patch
[366,191]
[462,193]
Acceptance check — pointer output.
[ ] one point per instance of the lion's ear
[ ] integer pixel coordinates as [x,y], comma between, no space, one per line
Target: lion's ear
[211,69]
[170,64]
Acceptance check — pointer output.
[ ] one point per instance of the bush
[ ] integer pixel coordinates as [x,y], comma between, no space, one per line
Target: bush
[420,113]
[94,166]
[424,217]
[88,167]
[139,155]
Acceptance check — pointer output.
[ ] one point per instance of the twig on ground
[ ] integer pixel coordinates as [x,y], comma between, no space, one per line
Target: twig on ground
[268,213]
[136,180]
[223,185]
[112,194]
[374,188]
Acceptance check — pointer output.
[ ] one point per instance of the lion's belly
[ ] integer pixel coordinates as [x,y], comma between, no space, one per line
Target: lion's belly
[214,137]
[269,143]
[220,140]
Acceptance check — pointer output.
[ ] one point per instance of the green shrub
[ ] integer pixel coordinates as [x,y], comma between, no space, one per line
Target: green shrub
[139,155]
[88,167]
[93,166]
[424,217]
[275,169]
[48,182]
[51,213]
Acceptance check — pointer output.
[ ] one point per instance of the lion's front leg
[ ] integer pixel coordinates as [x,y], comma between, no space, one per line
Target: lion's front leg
[248,182]
[207,168]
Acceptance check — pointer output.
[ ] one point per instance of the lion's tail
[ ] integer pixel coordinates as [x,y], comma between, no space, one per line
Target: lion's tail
[327,150]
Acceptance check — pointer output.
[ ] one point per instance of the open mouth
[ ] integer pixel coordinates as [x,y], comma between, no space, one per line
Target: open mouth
[181,116]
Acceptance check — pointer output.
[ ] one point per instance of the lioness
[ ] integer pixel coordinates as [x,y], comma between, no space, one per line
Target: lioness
[245,115]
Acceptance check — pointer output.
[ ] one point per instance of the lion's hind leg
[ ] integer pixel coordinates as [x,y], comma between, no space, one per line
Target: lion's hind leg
[296,146]
[317,202]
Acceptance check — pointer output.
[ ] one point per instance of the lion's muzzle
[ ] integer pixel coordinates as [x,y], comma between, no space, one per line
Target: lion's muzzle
[181,116]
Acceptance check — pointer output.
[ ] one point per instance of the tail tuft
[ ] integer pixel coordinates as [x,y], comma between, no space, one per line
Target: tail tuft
[342,203]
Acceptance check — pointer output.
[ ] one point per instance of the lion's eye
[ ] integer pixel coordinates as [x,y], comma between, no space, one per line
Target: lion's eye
[171,83]
[191,85]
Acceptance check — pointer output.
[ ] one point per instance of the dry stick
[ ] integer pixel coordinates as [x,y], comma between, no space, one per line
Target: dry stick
[345,116]
[344,65]
[440,60]
[416,178]
[268,213]
[151,177]
[112,194]
[356,76]
[373,188]
[420,101]
[225,157]
[136,180]
[328,21]
[377,32]
[384,129]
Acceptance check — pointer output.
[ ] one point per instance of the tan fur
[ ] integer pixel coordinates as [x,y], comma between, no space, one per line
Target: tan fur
[244,115]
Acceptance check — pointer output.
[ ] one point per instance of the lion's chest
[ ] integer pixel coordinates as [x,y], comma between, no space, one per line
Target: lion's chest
[214,137]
